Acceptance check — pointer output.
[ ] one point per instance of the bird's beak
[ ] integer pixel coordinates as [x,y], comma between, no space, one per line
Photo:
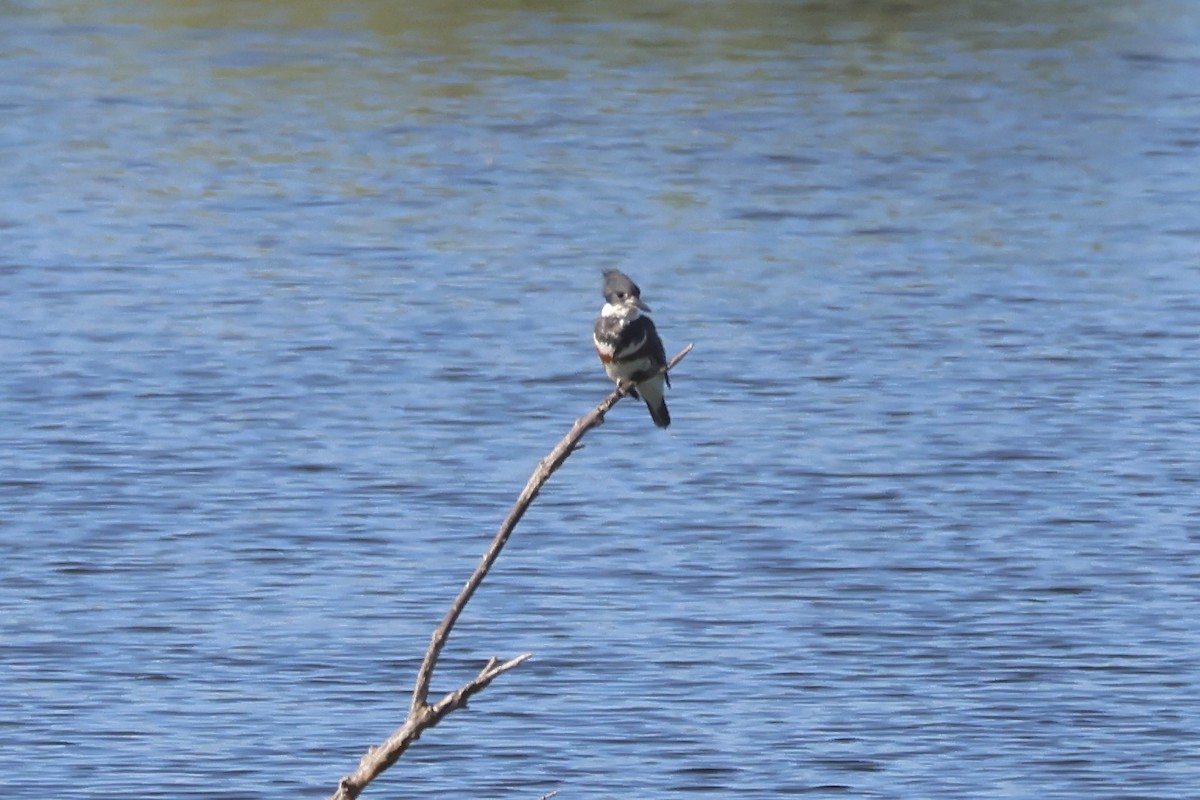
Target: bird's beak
[642,305]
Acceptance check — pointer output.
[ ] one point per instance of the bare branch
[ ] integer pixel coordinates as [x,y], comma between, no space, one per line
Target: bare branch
[423,716]
[541,474]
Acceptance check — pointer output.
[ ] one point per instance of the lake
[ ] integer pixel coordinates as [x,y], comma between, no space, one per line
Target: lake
[295,296]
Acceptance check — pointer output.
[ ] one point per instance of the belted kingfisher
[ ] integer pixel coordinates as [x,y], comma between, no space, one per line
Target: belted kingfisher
[628,344]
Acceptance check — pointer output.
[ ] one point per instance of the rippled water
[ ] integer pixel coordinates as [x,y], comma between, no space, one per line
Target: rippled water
[294,299]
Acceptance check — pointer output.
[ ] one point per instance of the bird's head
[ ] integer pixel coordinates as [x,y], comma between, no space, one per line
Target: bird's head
[622,293]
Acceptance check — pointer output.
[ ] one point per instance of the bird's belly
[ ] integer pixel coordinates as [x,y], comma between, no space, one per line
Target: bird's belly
[625,370]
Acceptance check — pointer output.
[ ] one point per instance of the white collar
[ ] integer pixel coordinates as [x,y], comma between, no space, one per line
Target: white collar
[624,311]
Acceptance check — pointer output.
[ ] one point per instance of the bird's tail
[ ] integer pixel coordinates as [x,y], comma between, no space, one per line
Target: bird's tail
[652,393]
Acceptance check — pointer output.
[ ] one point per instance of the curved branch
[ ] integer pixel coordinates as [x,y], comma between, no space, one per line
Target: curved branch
[423,716]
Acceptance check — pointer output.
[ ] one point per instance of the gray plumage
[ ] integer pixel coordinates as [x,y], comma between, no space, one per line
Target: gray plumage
[629,346]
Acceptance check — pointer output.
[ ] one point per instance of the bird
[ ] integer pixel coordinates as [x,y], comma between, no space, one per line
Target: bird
[628,344]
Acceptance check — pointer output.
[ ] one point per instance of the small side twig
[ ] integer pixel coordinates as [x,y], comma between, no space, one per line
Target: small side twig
[421,714]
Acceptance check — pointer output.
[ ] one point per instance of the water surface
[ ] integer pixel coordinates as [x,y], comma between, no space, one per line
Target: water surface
[294,299]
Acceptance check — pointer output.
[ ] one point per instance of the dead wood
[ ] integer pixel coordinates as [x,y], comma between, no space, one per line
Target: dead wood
[421,714]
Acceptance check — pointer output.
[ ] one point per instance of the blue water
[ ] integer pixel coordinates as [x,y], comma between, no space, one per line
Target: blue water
[293,300]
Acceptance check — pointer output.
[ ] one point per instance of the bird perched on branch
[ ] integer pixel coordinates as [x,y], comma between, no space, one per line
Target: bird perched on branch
[628,344]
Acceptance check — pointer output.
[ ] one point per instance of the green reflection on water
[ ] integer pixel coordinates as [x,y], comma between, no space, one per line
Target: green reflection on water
[455,26]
